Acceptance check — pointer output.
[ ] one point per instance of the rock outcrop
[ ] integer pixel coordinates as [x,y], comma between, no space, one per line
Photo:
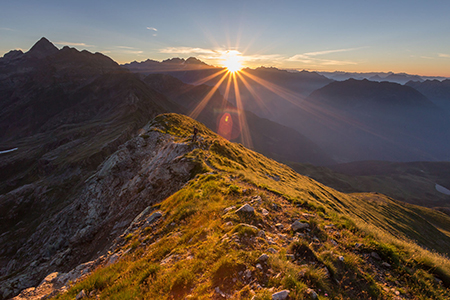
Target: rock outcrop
[143,171]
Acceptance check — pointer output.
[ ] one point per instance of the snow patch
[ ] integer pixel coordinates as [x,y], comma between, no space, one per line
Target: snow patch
[7,151]
[442,189]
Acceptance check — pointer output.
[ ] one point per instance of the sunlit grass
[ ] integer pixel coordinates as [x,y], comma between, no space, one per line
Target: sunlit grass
[193,249]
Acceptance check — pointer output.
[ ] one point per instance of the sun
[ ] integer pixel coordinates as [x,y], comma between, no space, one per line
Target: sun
[232,61]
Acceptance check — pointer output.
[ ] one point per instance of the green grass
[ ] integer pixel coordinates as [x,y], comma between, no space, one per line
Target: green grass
[202,251]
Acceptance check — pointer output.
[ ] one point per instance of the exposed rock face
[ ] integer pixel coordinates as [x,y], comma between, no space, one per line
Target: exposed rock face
[143,171]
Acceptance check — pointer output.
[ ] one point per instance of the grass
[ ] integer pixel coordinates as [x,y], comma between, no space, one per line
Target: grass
[194,250]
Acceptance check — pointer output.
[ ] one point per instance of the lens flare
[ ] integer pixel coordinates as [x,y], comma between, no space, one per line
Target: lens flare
[225,126]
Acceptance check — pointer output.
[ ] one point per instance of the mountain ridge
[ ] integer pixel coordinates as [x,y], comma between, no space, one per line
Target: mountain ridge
[203,228]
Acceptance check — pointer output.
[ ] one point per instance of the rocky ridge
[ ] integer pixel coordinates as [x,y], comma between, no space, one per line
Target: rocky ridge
[143,171]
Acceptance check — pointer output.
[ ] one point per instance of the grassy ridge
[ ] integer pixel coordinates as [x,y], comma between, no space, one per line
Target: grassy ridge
[203,248]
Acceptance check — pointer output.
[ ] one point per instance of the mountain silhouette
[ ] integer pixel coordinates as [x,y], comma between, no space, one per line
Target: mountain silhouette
[364,120]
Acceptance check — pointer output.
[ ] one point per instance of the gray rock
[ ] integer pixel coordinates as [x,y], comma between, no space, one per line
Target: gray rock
[80,295]
[297,225]
[246,208]
[281,295]
[271,250]
[375,256]
[279,226]
[115,257]
[358,245]
[264,212]
[248,274]
[290,257]
[312,294]
[263,258]
[219,292]
[153,217]
[228,209]
[261,234]
[141,216]
[257,199]
[386,265]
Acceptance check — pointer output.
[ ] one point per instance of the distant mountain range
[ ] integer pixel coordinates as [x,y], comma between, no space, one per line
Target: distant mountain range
[400,78]
[362,119]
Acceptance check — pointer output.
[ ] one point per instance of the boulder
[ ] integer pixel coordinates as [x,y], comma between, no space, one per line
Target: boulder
[153,217]
[263,258]
[375,256]
[281,295]
[312,294]
[297,225]
[246,208]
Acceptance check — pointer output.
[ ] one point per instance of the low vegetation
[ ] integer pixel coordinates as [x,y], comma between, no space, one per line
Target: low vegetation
[353,246]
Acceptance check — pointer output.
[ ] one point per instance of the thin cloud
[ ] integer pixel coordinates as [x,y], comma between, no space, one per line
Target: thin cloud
[73,44]
[6,29]
[153,29]
[186,50]
[125,47]
[311,59]
[133,51]
[444,55]
[332,51]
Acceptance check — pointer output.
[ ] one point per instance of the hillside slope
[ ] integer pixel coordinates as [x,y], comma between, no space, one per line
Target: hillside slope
[241,225]
[411,182]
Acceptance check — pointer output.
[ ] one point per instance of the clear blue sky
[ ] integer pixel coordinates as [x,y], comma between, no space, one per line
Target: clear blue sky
[398,35]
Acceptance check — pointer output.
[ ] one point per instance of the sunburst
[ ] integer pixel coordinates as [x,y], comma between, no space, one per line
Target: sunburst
[232,61]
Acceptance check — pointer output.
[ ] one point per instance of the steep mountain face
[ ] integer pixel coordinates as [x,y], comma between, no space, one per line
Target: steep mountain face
[39,84]
[364,120]
[436,90]
[65,112]
[213,219]
[142,172]
[269,138]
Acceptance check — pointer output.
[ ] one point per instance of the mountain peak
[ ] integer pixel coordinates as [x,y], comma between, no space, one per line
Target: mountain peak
[42,48]
[195,61]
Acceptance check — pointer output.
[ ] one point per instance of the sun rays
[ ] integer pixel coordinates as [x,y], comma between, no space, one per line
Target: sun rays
[230,81]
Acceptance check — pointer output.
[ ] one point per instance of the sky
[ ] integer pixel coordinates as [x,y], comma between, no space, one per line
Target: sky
[355,36]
